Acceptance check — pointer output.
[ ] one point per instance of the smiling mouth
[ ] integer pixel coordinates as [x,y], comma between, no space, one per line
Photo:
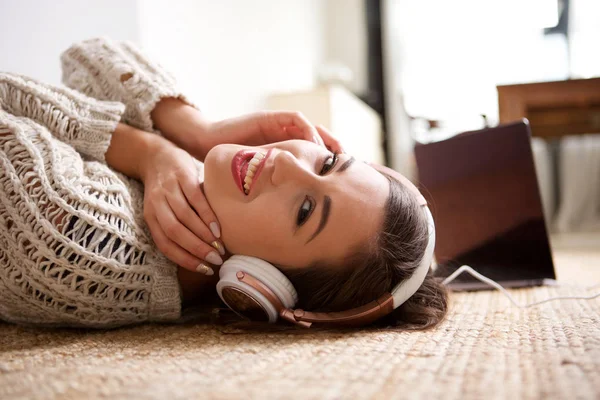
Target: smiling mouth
[246,167]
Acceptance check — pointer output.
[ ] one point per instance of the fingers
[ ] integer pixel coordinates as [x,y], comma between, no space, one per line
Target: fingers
[326,137]
[298,127]
[190,195]
[186,216]
[330,141]
[295,133]
[180,234]
[320,141]
[174,252]
[176,240]
[292,119]
[196,198]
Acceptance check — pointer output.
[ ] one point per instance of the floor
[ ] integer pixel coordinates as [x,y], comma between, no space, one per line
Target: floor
[484,349]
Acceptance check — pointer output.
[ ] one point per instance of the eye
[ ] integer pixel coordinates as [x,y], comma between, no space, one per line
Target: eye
[329,163]
[305,210]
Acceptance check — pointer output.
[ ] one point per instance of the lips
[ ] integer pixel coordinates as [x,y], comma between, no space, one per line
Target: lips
[239,167]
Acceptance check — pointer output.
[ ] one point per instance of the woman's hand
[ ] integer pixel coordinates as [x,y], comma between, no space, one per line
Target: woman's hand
[175,208]
[269,127]
[192,131]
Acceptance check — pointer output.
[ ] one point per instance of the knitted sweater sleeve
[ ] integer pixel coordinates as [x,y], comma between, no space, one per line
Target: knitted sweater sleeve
[74,248]
[119,71]
[83,122]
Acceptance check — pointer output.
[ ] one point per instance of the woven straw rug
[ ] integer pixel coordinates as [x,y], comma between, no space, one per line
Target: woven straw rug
[485,349]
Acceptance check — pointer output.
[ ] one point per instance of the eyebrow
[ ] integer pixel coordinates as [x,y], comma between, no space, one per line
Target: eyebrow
[346,165]
[327,202]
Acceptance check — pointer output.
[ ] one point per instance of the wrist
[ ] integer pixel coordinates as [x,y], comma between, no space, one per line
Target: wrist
[132,163]
[149,147]
[181,123]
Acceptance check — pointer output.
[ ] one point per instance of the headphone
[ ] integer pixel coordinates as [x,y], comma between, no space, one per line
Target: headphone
[255,289]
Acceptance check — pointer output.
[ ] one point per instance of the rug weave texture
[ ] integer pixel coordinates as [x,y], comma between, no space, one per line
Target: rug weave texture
[485,349]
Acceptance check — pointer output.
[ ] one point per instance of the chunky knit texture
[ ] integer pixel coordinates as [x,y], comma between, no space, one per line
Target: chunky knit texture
[119,71]
[74,247]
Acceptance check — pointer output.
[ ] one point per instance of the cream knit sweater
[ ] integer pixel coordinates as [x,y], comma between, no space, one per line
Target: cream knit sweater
[74,247]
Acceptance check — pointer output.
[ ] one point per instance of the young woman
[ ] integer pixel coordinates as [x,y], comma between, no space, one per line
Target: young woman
[83,243]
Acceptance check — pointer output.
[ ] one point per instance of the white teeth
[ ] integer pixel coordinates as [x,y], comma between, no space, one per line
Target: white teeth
[252,166]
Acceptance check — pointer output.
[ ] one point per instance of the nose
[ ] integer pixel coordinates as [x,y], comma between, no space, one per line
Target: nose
[288,169]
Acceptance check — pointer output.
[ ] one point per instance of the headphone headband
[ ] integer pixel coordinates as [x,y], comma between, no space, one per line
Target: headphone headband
[404,290]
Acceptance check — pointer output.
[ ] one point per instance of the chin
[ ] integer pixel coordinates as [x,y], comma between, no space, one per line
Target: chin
[218,182]
[215,159]
[211,172]
[213,154]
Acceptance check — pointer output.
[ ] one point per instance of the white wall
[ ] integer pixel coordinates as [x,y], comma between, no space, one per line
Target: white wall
[33,33]
[231,54]
[346,32]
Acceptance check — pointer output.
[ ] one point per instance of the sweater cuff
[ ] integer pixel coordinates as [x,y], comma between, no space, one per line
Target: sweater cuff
[98,128]
[80,121]
[119,71]
[165,298]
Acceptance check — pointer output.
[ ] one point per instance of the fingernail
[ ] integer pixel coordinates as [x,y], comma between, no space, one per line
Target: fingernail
[205,269]
[219,247]
[214,228]
[214,258]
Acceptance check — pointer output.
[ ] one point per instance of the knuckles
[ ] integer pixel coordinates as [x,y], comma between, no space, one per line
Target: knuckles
[298,114]
[171,230]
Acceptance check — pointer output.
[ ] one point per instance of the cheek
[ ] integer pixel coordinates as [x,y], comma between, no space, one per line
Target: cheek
[232,223]
[253,229]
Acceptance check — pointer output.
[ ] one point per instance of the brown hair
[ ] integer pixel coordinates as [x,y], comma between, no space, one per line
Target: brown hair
[378,268]
[375,269]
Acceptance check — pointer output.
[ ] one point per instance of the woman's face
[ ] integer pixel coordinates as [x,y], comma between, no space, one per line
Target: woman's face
[304,204]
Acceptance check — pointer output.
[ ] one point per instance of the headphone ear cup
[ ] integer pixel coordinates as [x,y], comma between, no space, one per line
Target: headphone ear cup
[261,270]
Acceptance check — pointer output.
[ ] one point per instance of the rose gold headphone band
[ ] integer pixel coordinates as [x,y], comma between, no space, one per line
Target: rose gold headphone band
[263,289]
[354,317]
